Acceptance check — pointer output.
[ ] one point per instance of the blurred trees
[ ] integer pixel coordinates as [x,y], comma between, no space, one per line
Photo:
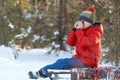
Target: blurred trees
[46,23]
[108,12]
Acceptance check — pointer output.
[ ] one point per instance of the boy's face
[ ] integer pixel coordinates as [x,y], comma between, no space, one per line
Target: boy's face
[84,24]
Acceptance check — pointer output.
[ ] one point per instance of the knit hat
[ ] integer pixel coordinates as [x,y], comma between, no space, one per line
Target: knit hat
[88,15]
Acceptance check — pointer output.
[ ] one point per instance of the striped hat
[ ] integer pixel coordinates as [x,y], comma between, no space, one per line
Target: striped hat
[88,15]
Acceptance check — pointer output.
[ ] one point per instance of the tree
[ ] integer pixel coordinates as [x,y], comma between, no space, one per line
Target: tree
[2,26]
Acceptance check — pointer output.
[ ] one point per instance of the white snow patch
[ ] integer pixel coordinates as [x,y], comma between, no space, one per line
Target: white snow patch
[34,59]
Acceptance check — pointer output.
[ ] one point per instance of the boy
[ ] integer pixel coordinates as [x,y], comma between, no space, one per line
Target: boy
[86,37]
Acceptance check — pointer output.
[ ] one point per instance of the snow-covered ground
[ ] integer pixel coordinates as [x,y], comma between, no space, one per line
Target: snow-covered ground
[11,69]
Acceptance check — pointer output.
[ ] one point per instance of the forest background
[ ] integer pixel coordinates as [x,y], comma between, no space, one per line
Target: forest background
[45,24]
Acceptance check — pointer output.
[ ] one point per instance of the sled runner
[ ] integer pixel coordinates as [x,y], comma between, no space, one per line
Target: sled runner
[54,74]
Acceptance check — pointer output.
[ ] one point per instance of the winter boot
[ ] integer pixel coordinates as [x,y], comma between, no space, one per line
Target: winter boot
[33,75]
[40,74]
[44,73]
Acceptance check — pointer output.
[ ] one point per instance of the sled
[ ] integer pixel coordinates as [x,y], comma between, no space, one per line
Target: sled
[101,73]
[56,72]
[74,74]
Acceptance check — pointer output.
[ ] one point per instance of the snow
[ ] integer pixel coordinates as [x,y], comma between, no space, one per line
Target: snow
[35,37]
[11,25]
[34,59]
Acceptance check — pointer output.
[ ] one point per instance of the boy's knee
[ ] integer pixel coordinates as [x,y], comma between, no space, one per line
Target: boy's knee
[59,60]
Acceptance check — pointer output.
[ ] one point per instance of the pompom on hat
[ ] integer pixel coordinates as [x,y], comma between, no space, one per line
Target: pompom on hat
[88,15]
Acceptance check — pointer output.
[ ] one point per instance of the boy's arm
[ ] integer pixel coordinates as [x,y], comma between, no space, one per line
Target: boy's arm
[89,40]
[71,39]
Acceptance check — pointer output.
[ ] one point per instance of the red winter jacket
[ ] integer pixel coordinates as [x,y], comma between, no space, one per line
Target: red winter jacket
[87,43]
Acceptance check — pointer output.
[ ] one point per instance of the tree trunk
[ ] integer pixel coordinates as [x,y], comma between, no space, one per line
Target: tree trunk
[22,43]
[2,29]
[60,12]
[20,14]
[62,21]
[116,25]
